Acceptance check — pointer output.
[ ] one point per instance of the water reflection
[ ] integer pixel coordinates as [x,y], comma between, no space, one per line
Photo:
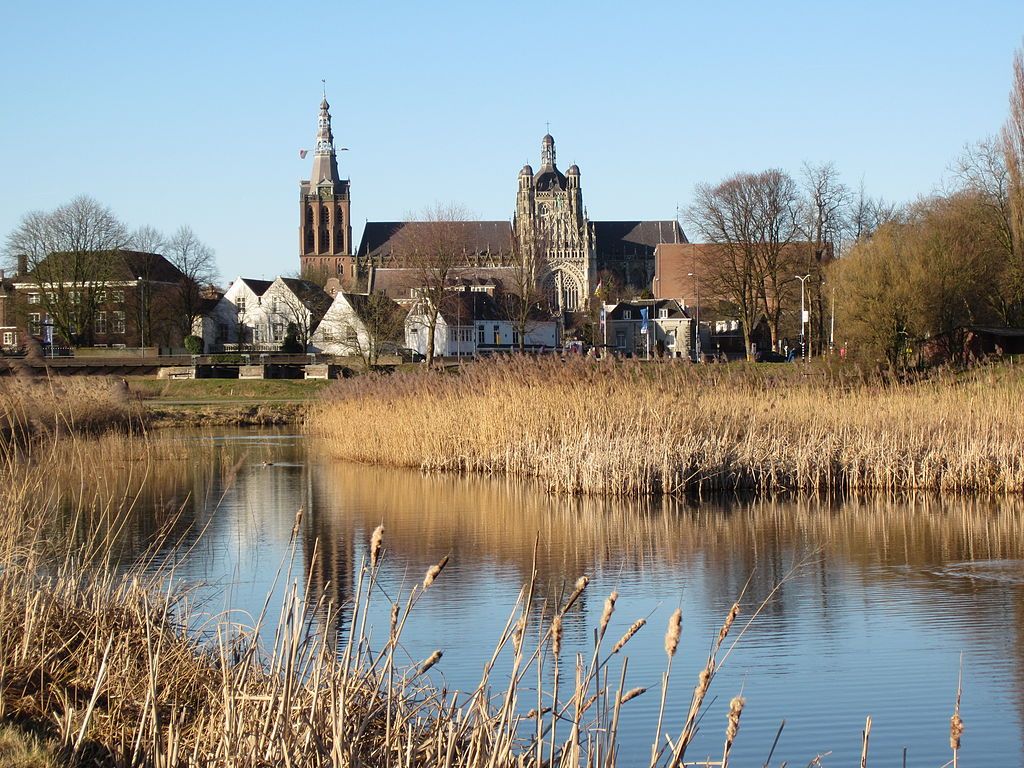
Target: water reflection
[884,597]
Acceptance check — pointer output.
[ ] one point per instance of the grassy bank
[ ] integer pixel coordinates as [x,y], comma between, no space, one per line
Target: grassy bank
[629,428]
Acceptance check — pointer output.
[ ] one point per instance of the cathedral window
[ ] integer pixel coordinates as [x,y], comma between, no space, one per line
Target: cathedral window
[325,229]
[309,229]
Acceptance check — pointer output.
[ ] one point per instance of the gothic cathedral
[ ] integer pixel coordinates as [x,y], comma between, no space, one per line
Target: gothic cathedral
[550,217]
[325,226]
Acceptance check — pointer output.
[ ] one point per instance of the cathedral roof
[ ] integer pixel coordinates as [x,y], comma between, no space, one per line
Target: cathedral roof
[388,239]
[634,238]
[549,178]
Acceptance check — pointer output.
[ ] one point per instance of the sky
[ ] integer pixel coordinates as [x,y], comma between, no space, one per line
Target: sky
[194,113]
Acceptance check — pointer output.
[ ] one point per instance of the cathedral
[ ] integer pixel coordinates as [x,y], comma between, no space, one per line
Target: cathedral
[577,254]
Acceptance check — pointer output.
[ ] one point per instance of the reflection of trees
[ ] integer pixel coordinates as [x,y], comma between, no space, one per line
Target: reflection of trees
[328,545]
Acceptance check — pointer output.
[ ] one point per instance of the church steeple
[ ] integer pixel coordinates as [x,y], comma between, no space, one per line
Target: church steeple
[547,151]
[325,159]
[325,229]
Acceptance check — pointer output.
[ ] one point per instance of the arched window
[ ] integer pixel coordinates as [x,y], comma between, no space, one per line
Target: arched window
[339,230]
[325,229]
[308,241]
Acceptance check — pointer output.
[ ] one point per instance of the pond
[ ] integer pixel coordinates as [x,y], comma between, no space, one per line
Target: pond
[869,607]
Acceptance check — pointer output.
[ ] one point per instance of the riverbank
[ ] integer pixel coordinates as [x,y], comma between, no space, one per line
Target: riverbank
[629,428]
[201,403]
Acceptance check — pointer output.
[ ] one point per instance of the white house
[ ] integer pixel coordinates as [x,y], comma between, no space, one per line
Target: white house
[255,315]
[474,322]
[355,324]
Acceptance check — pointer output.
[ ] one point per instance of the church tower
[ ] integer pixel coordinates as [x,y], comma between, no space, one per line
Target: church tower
[325,225]
[550,216]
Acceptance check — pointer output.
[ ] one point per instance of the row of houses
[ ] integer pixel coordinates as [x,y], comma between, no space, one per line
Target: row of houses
[478,316]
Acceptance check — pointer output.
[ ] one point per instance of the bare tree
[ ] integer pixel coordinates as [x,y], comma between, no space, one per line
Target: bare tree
[382,321]
[825,219]
[524,299]
[195,260]
[777,215]
[68,252]
[726,215]
[434,246]
[147,239]
[867,214]
[1013,149]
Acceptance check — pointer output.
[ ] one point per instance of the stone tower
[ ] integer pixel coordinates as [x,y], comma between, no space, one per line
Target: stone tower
[550,214]
[325,225]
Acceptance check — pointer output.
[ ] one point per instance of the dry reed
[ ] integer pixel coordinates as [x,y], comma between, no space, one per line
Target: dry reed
[628,428]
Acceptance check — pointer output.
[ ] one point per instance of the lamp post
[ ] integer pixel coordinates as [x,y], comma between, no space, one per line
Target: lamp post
[803,314]
[696,283]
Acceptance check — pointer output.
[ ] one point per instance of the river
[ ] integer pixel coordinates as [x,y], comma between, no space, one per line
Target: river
[868,606]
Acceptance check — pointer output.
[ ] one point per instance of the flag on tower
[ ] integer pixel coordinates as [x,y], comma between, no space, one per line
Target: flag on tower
[303,153]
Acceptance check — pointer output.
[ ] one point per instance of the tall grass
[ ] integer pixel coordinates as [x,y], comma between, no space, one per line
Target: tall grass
[634,429]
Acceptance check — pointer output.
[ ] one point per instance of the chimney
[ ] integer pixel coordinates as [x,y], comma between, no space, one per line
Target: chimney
[22,264]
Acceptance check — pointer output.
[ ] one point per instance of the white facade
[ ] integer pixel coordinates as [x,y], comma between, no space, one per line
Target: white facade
[341,332]
[471,337]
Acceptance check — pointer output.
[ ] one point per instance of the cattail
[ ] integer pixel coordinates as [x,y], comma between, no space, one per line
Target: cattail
[533,713]
[703,683]
[609,608]
[675,629]
[376,540]
[394,622]
[956,729]
[637,626]
[735,710]
[581,584]
[431,661]
[434,571]
[724,631]
[632,694]
[298,521]
[556,634]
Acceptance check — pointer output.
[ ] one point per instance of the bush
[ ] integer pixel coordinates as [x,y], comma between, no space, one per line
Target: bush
[194,345]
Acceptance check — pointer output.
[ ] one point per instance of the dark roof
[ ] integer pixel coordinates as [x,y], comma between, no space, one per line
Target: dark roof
[549,178]
[462,307]
[386,239]
[397,282]
[360,303]
[675,311]
[130,265]
[312,296]
[634,238]
[259,287]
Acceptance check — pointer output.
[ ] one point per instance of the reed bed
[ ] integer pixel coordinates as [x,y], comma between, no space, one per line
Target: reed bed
[629,428]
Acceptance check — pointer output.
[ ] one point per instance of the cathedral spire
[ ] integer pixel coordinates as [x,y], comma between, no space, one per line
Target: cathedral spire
[325,159]
[547,151]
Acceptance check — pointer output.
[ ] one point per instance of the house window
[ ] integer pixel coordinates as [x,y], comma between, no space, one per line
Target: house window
[627,314]
[34,298]
[101,322]
[101,297]
[481,337]
[119,297]
[118,325]
[620,339]
[278,330]
[222,332]
[35,324]
[273,305]
[8,338]
[240,303]
[662,313]
[515,337]
[497,335]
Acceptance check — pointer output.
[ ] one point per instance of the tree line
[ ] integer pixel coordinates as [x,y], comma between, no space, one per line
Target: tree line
[70,253]
[903,280]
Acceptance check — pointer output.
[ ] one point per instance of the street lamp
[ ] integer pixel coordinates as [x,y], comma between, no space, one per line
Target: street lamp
[696,282]
[803,314]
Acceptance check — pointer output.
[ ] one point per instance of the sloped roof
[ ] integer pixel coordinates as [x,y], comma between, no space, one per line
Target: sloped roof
[125,265]
[462,307]
[388,239]
[312,296]
[259,287]
[675,311]
[634,238]
[397,282]
[360,303]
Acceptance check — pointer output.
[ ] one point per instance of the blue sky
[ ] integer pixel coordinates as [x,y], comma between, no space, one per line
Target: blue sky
[194,112]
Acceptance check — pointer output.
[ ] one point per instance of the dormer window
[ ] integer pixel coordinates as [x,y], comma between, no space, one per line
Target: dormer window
[662,314]
[627,314]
